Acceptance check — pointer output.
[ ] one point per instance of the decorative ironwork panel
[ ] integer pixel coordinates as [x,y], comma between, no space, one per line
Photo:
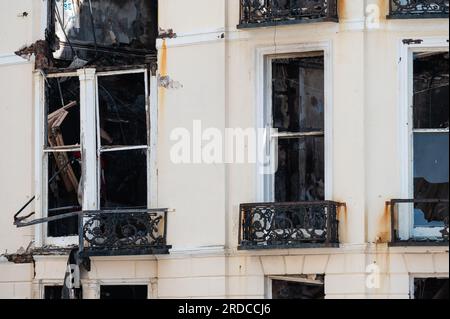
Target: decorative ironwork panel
[430,218]
[303,224]
[269,12]
[419,8]
[124,233]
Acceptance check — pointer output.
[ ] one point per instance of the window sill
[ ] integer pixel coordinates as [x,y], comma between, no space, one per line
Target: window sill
[419,244]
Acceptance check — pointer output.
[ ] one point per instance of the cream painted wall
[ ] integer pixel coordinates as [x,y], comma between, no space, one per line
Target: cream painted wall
[218,79]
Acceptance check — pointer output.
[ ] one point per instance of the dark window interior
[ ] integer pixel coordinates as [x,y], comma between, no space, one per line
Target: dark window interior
[52,292]
[112,27]
[298,107]
[431,288]
[124,292]
[123,122]
[431,147]
[295,290]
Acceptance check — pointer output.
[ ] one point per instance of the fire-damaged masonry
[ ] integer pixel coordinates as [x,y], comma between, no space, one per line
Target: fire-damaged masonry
[116,38]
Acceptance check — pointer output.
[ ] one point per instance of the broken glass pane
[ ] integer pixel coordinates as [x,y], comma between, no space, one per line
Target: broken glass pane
[122,104]
[300,175]
[298,93]
[431,100]
[124,179]
[63,111]
[64,192]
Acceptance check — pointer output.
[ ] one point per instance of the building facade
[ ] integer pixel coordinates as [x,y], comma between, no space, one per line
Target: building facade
[107,112]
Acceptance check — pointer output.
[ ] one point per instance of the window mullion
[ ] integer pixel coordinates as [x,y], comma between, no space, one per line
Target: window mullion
[88,138]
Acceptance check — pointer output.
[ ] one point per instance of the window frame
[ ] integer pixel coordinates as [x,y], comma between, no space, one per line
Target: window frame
[90,150]
[407,130]
[264,56]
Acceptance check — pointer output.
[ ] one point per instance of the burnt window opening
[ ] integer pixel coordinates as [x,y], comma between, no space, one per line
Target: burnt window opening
[103,32]
[431,142]
[62,96]
[124,140]
[431,288]
[302,288]
[135,292]
[122,103]
[122,132]
[298,114]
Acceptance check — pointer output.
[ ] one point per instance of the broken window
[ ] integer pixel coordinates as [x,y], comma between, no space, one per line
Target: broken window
[104,29]
[431,142]
[138,292]
[123,140]
[431,288]
[298,115]
[116,130]
[311,287]
[63,153]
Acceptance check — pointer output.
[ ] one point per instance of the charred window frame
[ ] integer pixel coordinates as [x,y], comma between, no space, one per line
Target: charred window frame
[91,146]
[413,130]
[266,57]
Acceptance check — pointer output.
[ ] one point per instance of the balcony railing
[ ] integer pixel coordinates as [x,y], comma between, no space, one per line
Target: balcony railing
[116,232]
[419,222]
[123,232]
[410,9]
[289,225]
[256,13]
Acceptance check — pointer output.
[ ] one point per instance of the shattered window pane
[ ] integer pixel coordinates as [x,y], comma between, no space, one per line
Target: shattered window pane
[431,140]
[64,192]
[431,100]
[122,104]
[297,290]
[124,179]
[431,288]
[63,111]
[298,107]
[298,93]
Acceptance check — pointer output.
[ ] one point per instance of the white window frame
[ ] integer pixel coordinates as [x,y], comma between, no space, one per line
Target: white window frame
[406,137]
[264,56]
[89,124]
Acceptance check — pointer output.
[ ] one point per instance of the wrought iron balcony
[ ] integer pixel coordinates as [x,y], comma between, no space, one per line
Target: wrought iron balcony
[419,222]
[116,232]
[289,225]
[123,232]
[410,9]
[256,13]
